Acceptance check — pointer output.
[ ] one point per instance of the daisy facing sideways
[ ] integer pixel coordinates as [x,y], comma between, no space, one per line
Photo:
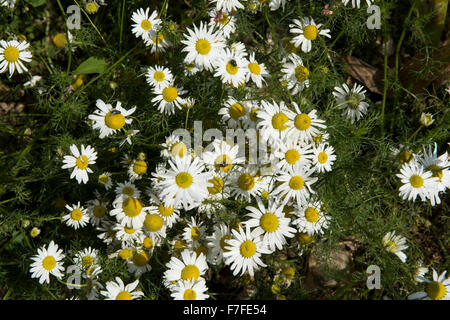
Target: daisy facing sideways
[47,261]
[351,101]
[395,244]
[12,55]
[307,31]
[80,161]
[438,289]
[117,290]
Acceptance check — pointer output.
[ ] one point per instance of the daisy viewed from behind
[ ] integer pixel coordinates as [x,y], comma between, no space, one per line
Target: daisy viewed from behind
[351,101]
[47,261]
[438,289]
[217,243]
[117,290]
[307,31]
[395,244]
[12,55]
[356,3]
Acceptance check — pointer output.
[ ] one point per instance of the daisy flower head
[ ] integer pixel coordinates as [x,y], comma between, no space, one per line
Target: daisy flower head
[275,121]
[256,71]
[223,21]
[238,49]
[97,211]
[170,214]
[194,232]
[137,168]
[233,112]
[174,147]
[357,3]
[416,181]
[117,290]
[275,4]
[145,24]
[158,43]
[126,189]
[245,183]
[271,223]
[296,74]
[217,243]
[108,119]
[295,184]
[291,153]
[228,5]
[35,232]
[168,97]
[125,234]
[395,244]
[86,258]
[105,179]
[80,162]
[222,159]
[154,224]
[184,183]
[307,31]
[190,290]
[77,216]
[311,218]
[203,46]
[305,126]
[92,6]
[324,157]
[47,261]
[159,76]
[190,69]
[351,101]
[139,262]
[438,289]
[130,212]
[245,250]
[231,68]
[12,55]
[191,267]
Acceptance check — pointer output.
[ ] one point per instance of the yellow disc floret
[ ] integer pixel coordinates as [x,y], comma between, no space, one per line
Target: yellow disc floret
[247,249]
[269,222]
[302,121]
[48,263]
[311,214]
[203,46]
[153,222]
[296,183]
[190,272]
[131,207]
[310,32]
[76,214]
[170,94]
[184,180]
[279,121]
[246,181]
[114,120]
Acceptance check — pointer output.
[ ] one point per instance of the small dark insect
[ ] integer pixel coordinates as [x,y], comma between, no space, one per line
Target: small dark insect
[233,62]
[115,111]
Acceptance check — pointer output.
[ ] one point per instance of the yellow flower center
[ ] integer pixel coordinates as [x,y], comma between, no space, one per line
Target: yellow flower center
[179,245]
[131,207]
[48,263]
[99,211]
[224,19]
[159,39]
[190,272]
[217,185]
[269,222]
[292,156]
[178,148]
[124,295]
[436,290]
[304,238]
[34,232]
[76,214]
[82,162]
[140,167]
[91,7]
[195,232]
[103,178]
[416,181]
[232,69]
[302,121]
[128,230]
[405,156]
[125,254]
[148,243]
[165,211]
[223,244]
[203,46]
[246,181]
[279,120]
[146,25]
[87,261]
[153,222]
[254,68]
[60,40]
[301,73]
[296,183]
[170,94]
[189,294]
[183,180]
[437,171]
[159,76]
[129,191]
[114,121]
[201,249]
[311,214]
[310,32]
[223,162]
[247,249]
[391,246]
[317,138]
[289,273]
[141,259]
[254,114]
[322,157]
[236,111]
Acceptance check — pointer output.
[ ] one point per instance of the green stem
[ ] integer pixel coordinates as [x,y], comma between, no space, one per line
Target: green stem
[386,82]
[414,134]
[121,24]
[400,41]
[187,117]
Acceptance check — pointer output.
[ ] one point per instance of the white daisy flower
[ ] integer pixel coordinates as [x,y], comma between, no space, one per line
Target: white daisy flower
[203,46]
[35,232]
[145,24]
[168,97]
[80,162]
[311,219]
[238,49]
[295,184]
[323,157]
[12,55]
[86,258]
[357,3]
[275,4]
[105,179]
[129,211]
[92,6]
[125,234]
[137,169]
[110,120]
[107,233]
[228,5]
[174,147]
[159,76]
[194,232]
[256,71]
[170,214]
[185,183]
[233,112]
[119,291]
[47,261]
[295,74]
[275,121]
[245,250]
[154,224]
[139,263]
[77,216]
[190,267]
[231,69]
[158,43]
[127,189]
[224,22]
[245,184]
[305,125]
[307,31]
[351,101]
[421,271]
[217,244]
[395,244]
[438,289]
[190,290]
[250,120]
[271,222]
[416,181]
[290,153]
[190,69]
[223,158]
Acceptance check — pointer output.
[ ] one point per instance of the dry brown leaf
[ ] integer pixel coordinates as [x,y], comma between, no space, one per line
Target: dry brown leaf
[369,75]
